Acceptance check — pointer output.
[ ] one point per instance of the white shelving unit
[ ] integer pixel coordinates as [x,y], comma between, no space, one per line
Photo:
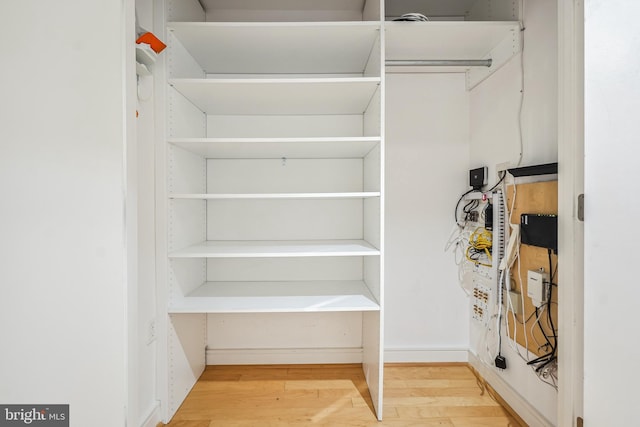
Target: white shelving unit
[272,180]
[271,175]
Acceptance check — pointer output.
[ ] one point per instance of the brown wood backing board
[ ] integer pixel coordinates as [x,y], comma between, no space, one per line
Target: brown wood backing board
[532,198]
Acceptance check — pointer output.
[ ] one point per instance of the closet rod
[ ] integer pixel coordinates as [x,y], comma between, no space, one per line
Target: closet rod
[438,62]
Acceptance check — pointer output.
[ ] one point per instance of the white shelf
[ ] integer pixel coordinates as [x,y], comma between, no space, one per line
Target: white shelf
[276,148]
[277,249]
[278,48]
[317,196]
[446,40]
[284,10]
[279,96]
[276,297]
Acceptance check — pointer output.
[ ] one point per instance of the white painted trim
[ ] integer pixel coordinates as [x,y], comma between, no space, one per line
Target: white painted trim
[570,230]
[279,356]
[425,355]
[153,419]
[161,134]
[519,404]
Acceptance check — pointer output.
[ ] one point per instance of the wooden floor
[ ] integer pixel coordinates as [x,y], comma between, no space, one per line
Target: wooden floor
[337,395]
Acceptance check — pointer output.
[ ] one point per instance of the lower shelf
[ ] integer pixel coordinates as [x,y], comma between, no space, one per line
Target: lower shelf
[277,297]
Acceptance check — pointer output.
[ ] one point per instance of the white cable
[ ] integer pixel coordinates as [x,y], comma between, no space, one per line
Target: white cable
[513,343]
[457,239]
[517,257]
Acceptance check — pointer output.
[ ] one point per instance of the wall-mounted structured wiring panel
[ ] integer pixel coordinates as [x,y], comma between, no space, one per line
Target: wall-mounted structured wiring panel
[485,273]
[274,185]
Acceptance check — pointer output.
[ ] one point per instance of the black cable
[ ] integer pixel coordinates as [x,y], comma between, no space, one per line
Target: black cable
[504,174]
[541,367]
[475,203]
[542,361]
[528,318]
[455,212]
[549,316]
[553,275]
[544,356]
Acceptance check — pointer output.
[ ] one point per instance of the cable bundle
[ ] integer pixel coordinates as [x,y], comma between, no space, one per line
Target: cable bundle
[480,243]
[412,17]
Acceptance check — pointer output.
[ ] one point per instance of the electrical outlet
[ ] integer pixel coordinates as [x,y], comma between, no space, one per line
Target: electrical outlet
[151,331]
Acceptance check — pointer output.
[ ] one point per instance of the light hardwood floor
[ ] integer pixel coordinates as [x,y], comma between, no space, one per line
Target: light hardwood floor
[337,395]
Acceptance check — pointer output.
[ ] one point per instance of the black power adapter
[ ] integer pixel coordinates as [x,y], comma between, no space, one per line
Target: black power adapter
[478,177]
[501,362]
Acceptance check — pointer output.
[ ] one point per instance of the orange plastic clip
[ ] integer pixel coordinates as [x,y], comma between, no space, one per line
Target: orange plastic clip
[156,45]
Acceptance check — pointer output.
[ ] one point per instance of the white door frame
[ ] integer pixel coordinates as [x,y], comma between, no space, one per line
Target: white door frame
[571,229]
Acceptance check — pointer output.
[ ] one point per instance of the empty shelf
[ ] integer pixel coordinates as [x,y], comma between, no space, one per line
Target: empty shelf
[447,40]
[276,148]
[316,196]
[278,48]
[279,96]
[284,10]
[276,248]
[265,297]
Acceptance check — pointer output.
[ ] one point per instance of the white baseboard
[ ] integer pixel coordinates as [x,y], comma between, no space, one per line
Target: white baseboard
[153,419]
[425,355]
[523,408]
[330,355]
[283,356]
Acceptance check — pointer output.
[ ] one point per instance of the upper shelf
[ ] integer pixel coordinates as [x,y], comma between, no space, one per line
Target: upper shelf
[446,40]
[454,40]
[278,48]
[276,148]
[279,96]
[430,8]
[289,10]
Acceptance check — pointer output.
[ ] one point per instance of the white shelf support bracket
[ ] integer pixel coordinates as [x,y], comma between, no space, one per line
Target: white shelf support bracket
[500,55]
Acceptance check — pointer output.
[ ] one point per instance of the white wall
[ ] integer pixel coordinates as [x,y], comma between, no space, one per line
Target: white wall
[427,160]
[495,140]
[62,179]
[611,291]
[495,102]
